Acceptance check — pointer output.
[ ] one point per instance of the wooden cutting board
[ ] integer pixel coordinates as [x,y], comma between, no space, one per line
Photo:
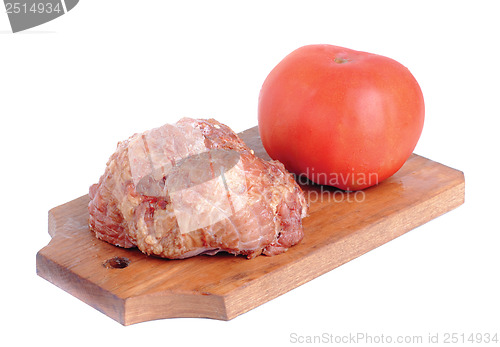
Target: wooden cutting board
[131,287]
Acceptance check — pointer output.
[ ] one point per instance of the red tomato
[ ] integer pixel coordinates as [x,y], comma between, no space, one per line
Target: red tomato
[340,117]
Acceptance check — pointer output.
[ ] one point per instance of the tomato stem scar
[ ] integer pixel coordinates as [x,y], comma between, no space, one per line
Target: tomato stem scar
[340,60]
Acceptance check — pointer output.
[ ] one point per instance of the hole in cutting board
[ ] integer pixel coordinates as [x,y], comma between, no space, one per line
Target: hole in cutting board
[116,263]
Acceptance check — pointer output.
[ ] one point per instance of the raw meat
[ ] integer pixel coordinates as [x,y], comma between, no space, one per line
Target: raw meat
[195,188]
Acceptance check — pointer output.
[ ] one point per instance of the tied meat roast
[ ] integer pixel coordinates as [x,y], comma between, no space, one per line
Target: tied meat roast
[195,188]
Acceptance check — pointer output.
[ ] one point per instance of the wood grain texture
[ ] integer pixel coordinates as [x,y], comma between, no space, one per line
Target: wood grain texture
[339,228]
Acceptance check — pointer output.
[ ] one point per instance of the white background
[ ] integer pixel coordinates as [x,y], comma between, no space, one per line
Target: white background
[72,88]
